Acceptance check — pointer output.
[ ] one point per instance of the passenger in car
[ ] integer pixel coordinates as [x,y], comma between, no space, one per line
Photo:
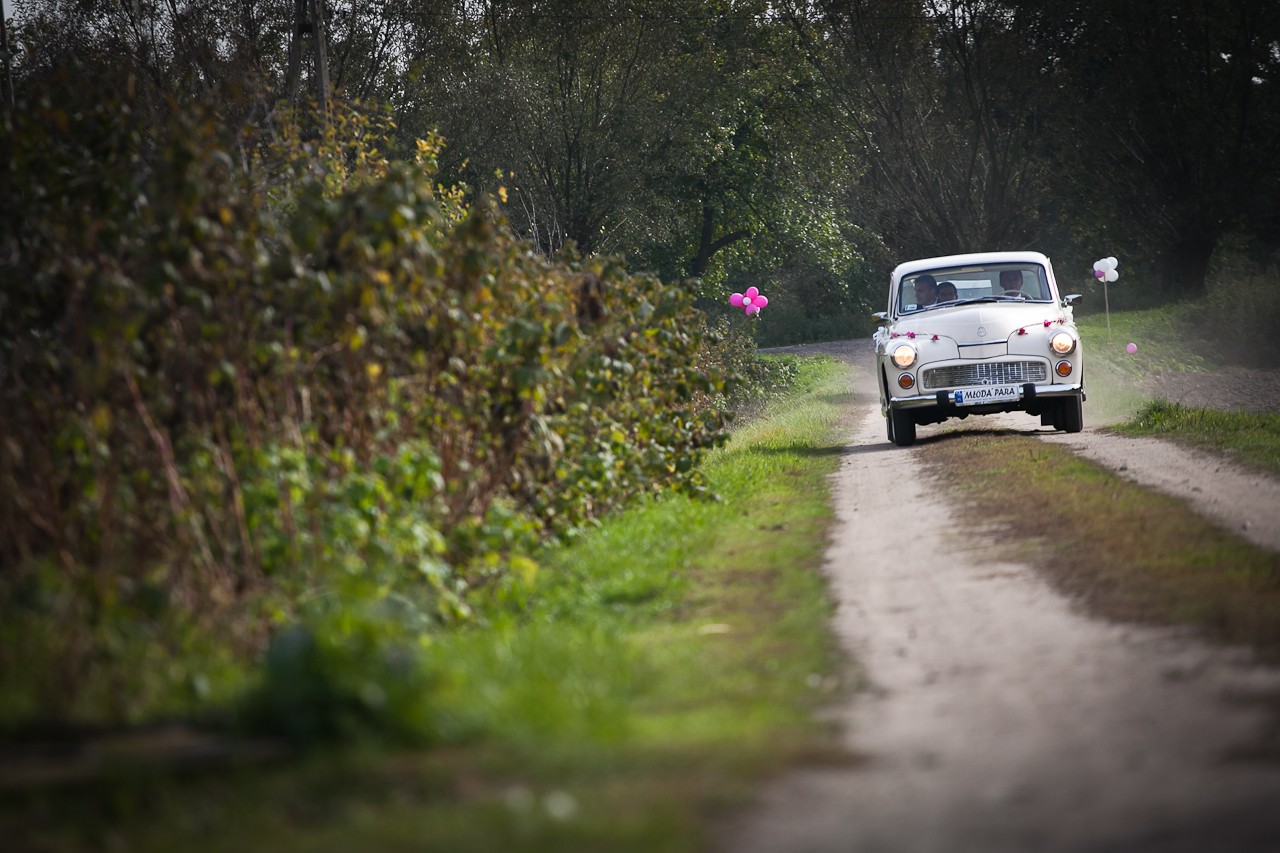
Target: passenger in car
[926,290]
[947,291]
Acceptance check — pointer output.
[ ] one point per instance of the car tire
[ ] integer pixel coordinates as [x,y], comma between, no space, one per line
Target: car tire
[888,427]
[903,428]
[1071,415]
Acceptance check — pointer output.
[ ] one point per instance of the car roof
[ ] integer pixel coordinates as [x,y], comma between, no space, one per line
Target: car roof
[973,258]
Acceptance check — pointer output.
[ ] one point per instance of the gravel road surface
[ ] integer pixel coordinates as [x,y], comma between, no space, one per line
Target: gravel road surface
[998,716]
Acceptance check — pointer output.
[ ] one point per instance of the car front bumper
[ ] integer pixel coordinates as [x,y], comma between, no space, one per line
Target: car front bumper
[1030,395]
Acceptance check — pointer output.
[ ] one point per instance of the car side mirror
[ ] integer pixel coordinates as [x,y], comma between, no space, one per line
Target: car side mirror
[1069,298]
[881,316]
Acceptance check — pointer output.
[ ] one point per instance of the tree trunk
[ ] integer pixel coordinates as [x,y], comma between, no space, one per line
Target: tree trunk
[8,69]
[295,50]
[321,48]
[308,20]
[707,246]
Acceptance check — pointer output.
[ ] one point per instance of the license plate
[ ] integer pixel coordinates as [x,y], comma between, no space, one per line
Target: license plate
[980,394]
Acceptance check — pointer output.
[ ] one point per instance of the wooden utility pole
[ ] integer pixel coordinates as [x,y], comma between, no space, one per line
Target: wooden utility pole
[309,21]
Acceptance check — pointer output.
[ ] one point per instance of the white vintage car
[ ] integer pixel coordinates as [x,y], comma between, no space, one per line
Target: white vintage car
[975,334]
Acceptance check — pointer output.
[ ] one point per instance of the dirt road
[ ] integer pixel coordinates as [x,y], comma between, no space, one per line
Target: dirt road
[1001,718]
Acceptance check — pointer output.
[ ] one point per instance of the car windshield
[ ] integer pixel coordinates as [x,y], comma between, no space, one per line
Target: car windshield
[947,286]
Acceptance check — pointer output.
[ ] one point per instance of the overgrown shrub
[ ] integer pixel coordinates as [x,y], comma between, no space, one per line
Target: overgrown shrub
[241,389]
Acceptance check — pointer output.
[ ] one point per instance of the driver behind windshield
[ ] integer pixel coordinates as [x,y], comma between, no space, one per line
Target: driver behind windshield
[926,290]
[1011,282]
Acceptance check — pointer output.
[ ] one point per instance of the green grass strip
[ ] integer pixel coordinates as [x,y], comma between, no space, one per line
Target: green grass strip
[1131,554]
[1162,337]
[660,666]
[1249,437]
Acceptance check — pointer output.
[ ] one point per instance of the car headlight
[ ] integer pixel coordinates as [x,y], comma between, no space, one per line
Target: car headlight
[1062,343]
[904,355]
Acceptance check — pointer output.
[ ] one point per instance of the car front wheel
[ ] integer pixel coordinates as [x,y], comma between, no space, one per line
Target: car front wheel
[1071,415]
[902,429]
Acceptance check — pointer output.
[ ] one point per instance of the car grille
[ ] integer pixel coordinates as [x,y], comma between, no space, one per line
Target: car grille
[984,373]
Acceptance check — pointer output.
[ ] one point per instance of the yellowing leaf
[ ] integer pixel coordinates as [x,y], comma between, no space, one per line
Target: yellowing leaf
[101,418]
[524,569]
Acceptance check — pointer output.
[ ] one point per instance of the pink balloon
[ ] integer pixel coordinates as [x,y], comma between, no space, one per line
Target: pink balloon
[1099,273]
[753,292]
[752,309]
[1131,349]
[736,300]
[761,301]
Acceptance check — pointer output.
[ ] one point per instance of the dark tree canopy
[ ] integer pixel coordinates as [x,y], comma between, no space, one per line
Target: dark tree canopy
[1175,113]
[711,138]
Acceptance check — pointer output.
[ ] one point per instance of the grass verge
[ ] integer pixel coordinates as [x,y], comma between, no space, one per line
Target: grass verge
[1161,335]
[1252,438]
[1127,552]
[663,662]
[1116,380]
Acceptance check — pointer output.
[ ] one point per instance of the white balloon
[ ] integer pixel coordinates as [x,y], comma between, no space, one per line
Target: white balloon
[1112,275]
[1098,266]
[1113,263]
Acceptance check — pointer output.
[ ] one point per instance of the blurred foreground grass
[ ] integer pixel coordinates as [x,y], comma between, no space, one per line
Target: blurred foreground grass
[662,663]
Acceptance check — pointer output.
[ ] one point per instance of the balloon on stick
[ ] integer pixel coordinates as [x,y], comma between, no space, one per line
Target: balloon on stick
[1104,269]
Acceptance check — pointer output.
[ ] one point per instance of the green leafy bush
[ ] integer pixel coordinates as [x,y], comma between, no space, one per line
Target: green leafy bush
[263,383]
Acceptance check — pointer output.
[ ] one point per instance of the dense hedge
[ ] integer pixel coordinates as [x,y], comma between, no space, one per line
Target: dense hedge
[246,382]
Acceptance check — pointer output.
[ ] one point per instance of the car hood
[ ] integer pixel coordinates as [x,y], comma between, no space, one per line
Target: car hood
[985,322]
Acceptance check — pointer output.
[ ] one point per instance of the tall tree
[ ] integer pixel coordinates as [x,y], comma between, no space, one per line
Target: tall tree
[1173,121]
[669,131]
[310,30]
[945,104]
[164,55]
